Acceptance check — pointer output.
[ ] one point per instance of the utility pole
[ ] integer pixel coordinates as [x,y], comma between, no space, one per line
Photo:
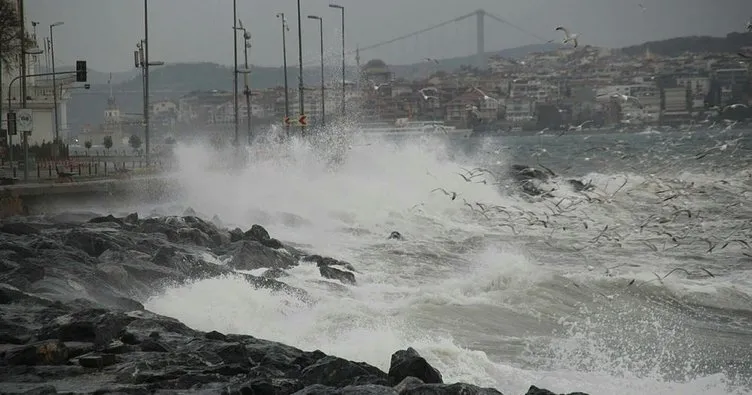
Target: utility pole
[146,82]
[342,10]
[54,84]
[235,65]
[285,28]
[323,95]
[22,38]
[301,92]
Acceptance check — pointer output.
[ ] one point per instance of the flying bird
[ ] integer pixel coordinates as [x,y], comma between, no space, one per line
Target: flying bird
[625,98]
[749,25]
[432,60]
[569,38]
[642,7]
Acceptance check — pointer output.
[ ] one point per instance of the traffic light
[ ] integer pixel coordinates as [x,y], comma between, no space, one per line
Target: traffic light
[80,71]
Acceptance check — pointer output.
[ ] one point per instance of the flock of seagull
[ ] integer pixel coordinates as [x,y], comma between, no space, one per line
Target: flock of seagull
[572,38]
[670,216]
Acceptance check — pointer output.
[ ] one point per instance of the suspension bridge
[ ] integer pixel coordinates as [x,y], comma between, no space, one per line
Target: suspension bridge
[479,17]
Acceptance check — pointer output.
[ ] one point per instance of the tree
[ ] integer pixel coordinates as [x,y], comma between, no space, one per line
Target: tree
[107,142]
[135,142]
[10,29]
[87,145]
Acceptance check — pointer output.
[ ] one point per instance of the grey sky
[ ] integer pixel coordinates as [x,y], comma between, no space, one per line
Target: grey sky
[105,32]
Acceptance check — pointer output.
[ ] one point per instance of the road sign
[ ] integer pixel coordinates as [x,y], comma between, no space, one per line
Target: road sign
[12,123]
[303,120]
[287,121]
[24,120]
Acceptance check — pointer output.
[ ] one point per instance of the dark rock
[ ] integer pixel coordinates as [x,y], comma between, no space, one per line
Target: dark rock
[533,390]
[276,285]
[523,173]
[97,361]
[41,353]
[395,236]
[408,363]
[131,219]
[107,219]
[214,335]
[149,345]
[449,389]
[257,233]
[18,229]
[336,274]
[236,235]
[250,255]
[337,372]
[274,273]
[326,261]
[70,314]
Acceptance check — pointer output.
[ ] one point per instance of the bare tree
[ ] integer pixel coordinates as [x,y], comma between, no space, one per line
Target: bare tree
[10,30]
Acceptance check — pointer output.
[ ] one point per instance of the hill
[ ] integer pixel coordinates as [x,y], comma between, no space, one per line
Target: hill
[175,80]
[697,44]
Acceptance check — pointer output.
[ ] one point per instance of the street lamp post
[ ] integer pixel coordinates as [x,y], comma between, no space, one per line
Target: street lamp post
[235,66]
[285,28]
[247,89]
[342,9]
[323,95]
[145,67]
[301,92]
[54,83]
[30,51]
[141,62]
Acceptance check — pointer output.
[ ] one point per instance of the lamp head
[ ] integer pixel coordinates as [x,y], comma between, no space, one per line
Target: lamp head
[57,24]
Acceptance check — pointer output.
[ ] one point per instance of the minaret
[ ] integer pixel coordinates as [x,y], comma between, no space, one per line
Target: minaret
[112,125]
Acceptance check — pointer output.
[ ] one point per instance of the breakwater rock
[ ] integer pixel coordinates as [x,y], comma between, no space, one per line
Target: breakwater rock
[71,320]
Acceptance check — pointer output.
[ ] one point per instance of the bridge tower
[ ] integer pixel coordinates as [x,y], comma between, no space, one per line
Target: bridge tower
[481,61]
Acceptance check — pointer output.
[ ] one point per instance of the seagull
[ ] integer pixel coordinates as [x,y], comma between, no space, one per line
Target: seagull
[746,56]
[579,127]
[376,87]
[431,60]
[426,97]
[749,25]
[642,7]
[625,98]
[734,106]
[452,195]
[570,38]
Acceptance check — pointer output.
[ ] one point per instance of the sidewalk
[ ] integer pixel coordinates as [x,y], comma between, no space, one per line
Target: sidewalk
[73,170]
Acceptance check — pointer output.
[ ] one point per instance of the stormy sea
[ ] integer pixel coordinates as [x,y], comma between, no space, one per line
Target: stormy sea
[600,263]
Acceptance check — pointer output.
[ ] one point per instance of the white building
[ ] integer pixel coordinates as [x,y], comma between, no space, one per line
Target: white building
[39,98]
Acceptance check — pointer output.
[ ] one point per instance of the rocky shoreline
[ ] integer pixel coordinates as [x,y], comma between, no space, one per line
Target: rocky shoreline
[71,320]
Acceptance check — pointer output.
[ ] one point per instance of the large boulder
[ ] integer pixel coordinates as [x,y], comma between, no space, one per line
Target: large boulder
[408,363]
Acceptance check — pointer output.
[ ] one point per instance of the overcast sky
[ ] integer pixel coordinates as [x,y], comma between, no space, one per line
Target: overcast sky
[104,32]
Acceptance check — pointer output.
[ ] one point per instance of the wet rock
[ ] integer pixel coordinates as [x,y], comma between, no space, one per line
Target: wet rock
[250,255]
[40,353]
[257,233]
[107,219]
[533,390]
[523,173]
[18,229]
[343,273]
[408,363]
[336,274]
[449,389]
[337,372]
[97,361]
[395,236]
[70,312]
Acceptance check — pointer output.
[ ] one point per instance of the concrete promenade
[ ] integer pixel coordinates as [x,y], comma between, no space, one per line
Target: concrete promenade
[35,197]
